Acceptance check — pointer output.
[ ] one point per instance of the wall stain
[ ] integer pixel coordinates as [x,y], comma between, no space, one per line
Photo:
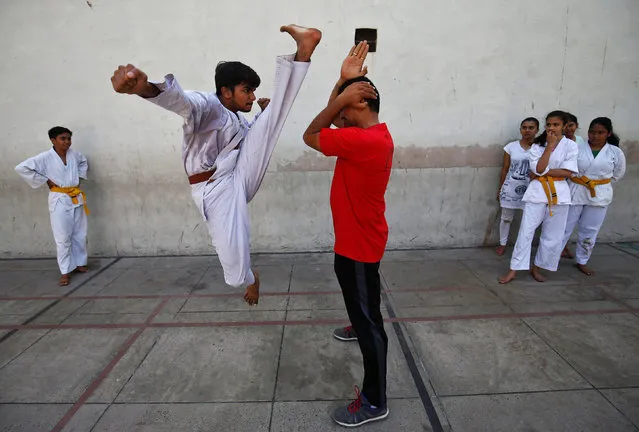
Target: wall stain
[413,157]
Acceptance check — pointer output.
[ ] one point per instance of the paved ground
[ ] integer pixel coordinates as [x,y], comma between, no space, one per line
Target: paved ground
[160,344]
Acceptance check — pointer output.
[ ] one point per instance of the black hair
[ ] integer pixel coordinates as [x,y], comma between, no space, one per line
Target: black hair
[373,104]
[570,117]
[56,131]
[541,139]
[530,119]
[233,73]
[607,124]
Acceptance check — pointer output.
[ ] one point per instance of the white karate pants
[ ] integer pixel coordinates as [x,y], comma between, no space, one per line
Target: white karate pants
[239,174]
[588,220]
[550,242]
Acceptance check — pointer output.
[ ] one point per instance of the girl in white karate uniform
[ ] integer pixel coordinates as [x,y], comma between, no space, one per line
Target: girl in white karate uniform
[514,178]
[553,158]
[570,130]
[601,163]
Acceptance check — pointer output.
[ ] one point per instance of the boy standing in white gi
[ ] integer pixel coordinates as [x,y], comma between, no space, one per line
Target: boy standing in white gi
[61,168]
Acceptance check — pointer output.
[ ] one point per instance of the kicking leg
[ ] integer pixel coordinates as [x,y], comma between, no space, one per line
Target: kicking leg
[227,217]
[259,143]
[306,39]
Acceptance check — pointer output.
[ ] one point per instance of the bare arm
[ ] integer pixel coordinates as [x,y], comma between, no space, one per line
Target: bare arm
[504,172]
[131,80]
[504,169]
[543,161]
[352,67]
[559,172]
[354,94]
[337,121]
[552,141]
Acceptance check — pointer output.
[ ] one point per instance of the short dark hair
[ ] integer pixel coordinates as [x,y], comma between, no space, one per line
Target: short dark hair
[571,118]
[530,119]
[56,131]
[233,73]
[373,104]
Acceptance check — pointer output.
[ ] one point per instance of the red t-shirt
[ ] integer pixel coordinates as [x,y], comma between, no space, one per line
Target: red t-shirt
[364,158]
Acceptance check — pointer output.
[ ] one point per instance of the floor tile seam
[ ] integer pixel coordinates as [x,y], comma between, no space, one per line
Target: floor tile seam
[225,295]
[210,402]
[409,356]
[135,369]
[410,319]
[51,305]
[95,383]
[620,249]
[519,392]
[636,425]
[279,356]
[562,357]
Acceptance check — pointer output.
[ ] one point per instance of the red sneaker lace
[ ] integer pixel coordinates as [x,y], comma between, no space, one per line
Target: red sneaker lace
[356,405]
[348,330]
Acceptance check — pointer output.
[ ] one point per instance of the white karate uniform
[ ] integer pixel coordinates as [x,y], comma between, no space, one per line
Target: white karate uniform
[514,187]
[536,210]
[211,133]
[588,212]
[68,220]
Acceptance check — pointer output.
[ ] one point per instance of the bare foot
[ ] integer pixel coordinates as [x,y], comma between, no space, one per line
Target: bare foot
[64,280]
[585,270]
[82,269]
[507,278]
[536,274]
[500,250]
[252,295]
[307,39]
[566,253]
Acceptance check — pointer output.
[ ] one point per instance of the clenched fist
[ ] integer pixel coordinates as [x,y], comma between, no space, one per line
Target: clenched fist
[263,103]
[131,80]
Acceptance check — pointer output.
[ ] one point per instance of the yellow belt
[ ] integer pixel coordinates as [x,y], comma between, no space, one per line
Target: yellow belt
[548,183]
[73,192]
[590,184]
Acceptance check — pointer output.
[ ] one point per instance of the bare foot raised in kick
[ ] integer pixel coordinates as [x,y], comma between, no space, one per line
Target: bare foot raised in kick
[500,250]
[252,295]
[507,278]
[536,274]
[306,38]
[585,270]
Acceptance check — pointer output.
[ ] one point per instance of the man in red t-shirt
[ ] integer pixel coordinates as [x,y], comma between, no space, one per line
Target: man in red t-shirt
[364,150]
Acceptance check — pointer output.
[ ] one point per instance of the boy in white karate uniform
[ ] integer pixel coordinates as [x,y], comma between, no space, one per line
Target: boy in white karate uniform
[61,168]
[225,157]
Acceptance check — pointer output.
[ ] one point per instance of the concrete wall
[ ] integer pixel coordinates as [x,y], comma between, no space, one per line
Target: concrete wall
[456,78]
